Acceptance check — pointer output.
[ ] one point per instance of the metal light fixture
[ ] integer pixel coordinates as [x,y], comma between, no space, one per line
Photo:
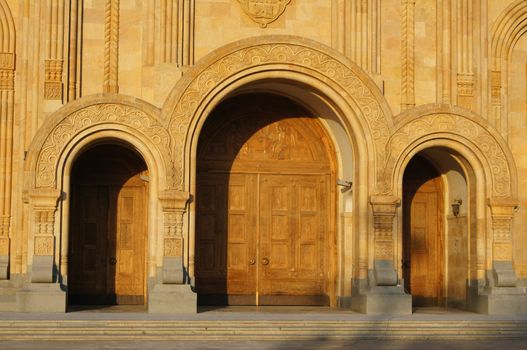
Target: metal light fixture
[455,206]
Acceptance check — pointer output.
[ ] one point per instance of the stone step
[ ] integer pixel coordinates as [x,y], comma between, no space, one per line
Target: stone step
[257,330]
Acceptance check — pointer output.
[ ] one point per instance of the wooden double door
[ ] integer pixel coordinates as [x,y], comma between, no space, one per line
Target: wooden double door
[108,228]
[423,234]
[265,245]
[264,206]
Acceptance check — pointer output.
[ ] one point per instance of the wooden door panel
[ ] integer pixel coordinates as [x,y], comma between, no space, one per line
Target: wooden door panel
[88,246]
[293,237]
[225,229]
[130,245]
[423,248]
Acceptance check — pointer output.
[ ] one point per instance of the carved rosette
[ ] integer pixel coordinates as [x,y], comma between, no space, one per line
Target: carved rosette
[384,211]
[502,213]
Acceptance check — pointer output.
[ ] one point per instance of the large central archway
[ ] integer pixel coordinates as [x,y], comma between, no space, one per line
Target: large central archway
[265,205]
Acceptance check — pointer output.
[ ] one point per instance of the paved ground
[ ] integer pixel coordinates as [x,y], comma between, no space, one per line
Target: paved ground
[275,345]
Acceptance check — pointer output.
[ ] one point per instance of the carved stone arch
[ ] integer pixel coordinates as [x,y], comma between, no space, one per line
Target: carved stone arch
[467,133]
[7,25]
[87,115]
[506,31]
[268,57]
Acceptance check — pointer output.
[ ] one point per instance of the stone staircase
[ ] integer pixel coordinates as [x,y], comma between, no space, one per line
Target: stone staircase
[80,330]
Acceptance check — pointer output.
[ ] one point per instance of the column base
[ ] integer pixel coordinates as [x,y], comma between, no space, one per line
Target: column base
[502,302]
[41,297]
[172,299]
[383,300]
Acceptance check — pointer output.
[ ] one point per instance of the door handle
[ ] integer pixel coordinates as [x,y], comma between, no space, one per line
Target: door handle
[265,261]
[252,262]
[113,260]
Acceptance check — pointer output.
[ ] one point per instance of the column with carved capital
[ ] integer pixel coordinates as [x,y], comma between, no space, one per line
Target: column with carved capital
[44,294]
[173,294]
[43,208]
[384,295]
[501,294]
[384,210]
[502,212]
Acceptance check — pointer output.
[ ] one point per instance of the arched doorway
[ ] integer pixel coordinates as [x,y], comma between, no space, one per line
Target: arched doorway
[265,205]
[108,227]
[423,233]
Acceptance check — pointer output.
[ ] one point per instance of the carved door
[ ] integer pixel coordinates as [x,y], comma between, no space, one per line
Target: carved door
[108,230]
[264,211]
[423,247]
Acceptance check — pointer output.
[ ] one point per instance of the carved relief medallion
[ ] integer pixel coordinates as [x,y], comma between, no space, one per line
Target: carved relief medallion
[264,12]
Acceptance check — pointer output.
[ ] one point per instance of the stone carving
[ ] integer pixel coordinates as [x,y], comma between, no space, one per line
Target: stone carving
[465,90]
[495,87]
[7,60]
[458,125]
[383,250]
[44,221]
[53,80]
[502,251]
[111,46]
[43,245]
[408,54]
[173,247]
[4,246]
[264,12]
[294,55]
[107,113]
[384,210]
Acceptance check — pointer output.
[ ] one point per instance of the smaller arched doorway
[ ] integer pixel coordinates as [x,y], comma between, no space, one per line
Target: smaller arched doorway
[108,227]
[265,202]
[423,233]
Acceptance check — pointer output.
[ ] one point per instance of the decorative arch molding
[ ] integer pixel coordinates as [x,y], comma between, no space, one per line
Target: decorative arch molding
[507,30]
[463,131]
[7,25]
[87,115]
[275,57]
[509,27]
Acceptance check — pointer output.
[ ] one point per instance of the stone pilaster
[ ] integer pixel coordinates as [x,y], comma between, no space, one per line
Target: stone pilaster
[384,210]
[43,208]
[174,207]
[502,212]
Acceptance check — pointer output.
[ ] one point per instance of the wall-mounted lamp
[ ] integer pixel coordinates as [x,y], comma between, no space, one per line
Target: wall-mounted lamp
[455,206]
[346,185]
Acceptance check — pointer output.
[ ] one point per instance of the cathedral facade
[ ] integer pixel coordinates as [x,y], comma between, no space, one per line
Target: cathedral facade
[359,154]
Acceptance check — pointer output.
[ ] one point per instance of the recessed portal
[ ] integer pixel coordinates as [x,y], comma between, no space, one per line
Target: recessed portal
[265,205]
[108,227]
[423,233]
